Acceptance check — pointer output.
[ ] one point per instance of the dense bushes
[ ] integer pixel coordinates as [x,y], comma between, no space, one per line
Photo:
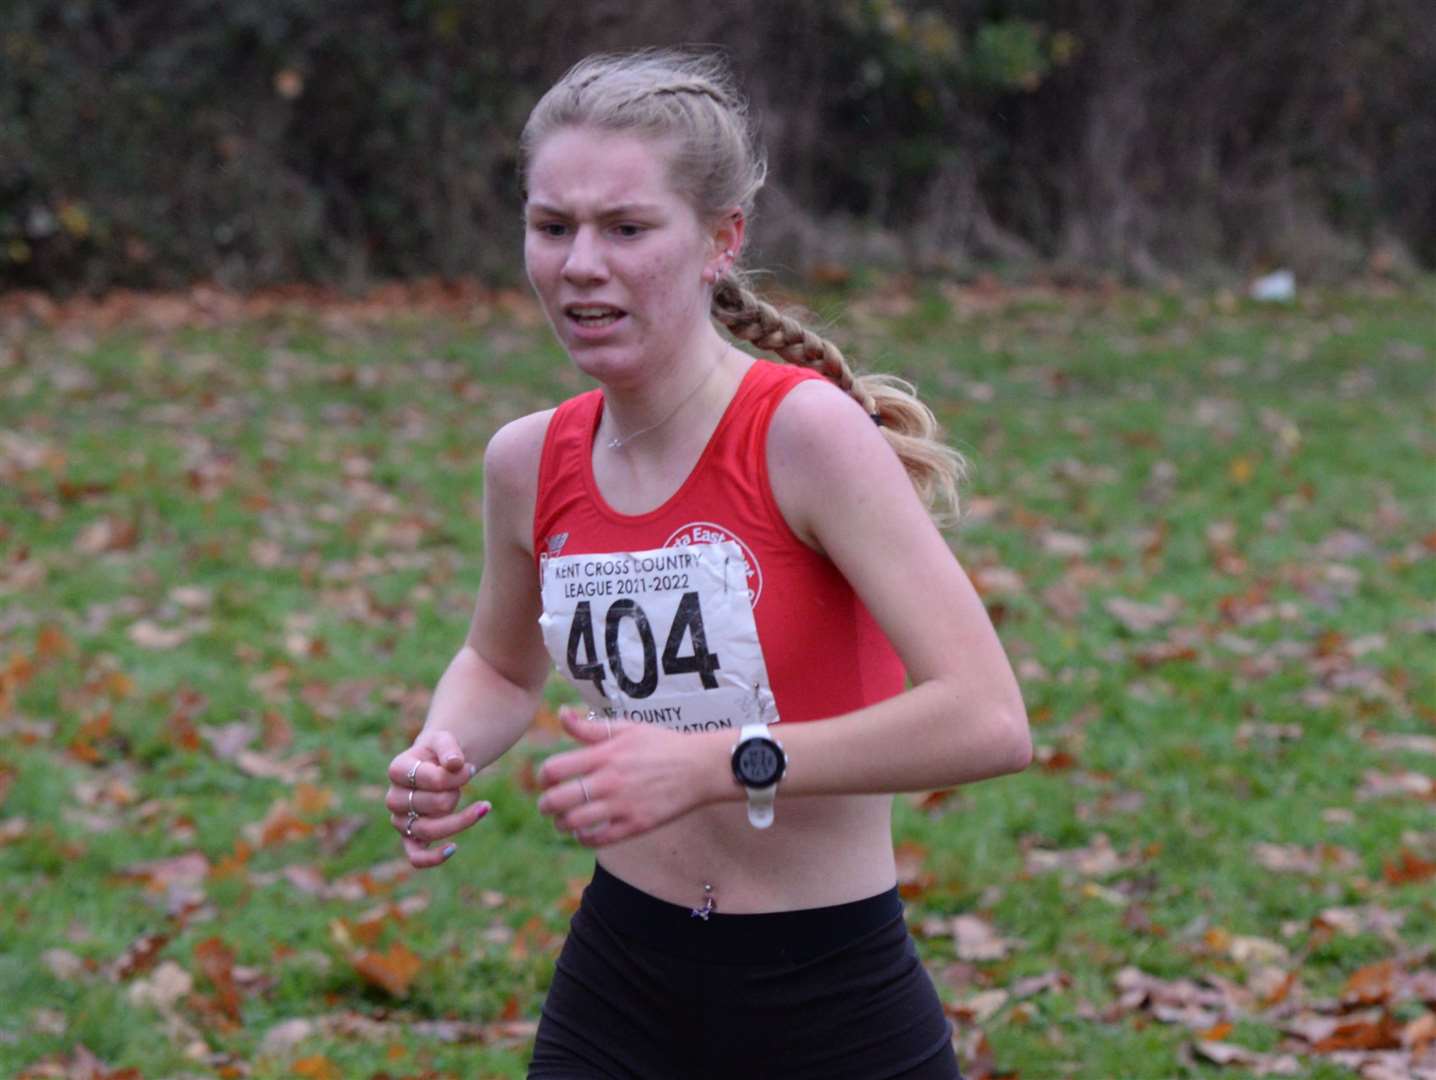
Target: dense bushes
[153,142]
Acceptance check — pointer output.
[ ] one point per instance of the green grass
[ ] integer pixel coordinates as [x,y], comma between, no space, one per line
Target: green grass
[298,497]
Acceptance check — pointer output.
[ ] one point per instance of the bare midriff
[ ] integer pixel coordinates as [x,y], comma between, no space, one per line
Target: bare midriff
[820,850]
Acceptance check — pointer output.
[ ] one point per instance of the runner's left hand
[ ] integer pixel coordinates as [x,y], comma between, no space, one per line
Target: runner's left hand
[623,781]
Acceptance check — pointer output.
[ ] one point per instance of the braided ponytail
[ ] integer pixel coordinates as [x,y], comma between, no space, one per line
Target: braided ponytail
[690,99]
[909,426]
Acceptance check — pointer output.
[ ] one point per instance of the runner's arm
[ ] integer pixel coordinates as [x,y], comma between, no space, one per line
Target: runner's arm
[488,694]
[844,491]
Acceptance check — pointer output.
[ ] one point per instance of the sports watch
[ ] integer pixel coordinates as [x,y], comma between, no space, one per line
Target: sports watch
[758,765]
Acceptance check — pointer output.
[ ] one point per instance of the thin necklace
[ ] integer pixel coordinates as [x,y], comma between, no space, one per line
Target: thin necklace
[617,443]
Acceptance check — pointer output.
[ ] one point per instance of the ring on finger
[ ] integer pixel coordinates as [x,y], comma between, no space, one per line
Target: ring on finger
[583,786]
[411,802]
[409,824]
[412,776]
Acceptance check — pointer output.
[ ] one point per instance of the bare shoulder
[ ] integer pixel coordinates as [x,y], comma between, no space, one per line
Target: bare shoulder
[511,459]
[511,468]
[825,452]
[504,628]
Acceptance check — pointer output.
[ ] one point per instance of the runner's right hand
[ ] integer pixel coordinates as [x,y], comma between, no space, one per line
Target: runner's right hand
[424,788]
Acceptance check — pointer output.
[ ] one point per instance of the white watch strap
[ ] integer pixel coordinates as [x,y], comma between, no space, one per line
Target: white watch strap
[760,805]
[760,799]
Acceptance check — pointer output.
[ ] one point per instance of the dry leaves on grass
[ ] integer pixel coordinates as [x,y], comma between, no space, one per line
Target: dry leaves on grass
[1407,867]
[76,1063]
[1097,859]
[1370,1028]
[1367,919]
[913,876]
[1402,783]
[392,970]
[1295,859]
[1141,618]
[289,1036]
[977,939]
[974,937]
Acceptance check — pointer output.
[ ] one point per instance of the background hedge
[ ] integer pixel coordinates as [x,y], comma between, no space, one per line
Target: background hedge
[157,142]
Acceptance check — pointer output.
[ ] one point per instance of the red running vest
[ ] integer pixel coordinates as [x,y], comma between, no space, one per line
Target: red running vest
[639,609]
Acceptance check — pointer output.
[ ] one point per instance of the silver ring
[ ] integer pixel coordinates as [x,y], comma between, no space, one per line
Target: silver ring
[411,802]
[584,788]
[412,776]
[409,824]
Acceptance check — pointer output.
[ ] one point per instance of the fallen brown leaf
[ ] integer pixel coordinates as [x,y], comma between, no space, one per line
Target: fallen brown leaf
[63,964]
[1098,859]
[316,1067]
[1371,985]
[534,937]
[12,829]
[1420,1033]
[913,877]
[1411,868]
[1415,744]
[228,740]
[111,533]
[1036,984]
[1250,951]
[932,801]
[280,825]
[1173,650]
[292,771]
[216,961]
[1295,859]
[1178,1001]
[997,581]
[1065,600]
[1138,617]
[1273,986]
[392,971]
[1376,785]
[1222,1053]
[976,939]
[1368,919]
[159,874]
[141,955]
[980,1007]
[1384,1034]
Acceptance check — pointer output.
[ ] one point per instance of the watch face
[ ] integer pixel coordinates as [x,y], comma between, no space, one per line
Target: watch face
[758,762]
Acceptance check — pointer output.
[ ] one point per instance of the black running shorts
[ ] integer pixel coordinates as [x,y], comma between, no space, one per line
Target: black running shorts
[645,990]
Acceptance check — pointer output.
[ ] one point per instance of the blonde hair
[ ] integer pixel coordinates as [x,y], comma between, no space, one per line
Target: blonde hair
[690,100]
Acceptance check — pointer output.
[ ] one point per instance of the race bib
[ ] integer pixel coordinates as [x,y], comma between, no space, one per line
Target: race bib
[659,637]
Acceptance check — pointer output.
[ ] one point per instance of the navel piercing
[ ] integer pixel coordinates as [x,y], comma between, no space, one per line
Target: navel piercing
[709,904]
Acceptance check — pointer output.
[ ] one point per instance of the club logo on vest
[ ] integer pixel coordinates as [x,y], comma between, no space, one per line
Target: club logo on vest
[706,532]
[555,545]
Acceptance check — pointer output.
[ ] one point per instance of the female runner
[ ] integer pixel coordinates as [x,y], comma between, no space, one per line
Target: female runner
[715,550]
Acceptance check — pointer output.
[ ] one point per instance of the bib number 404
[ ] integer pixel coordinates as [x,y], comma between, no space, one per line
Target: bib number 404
[584,663]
